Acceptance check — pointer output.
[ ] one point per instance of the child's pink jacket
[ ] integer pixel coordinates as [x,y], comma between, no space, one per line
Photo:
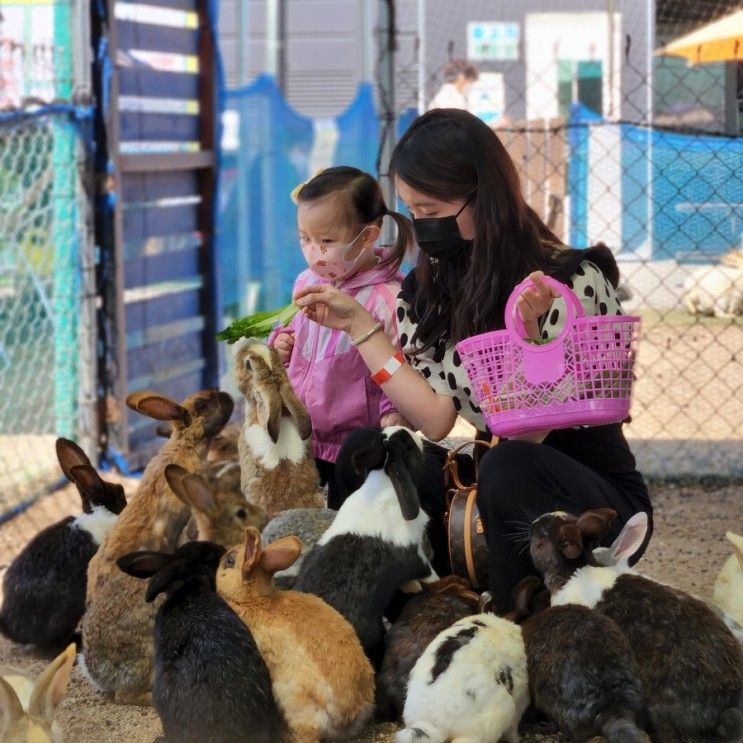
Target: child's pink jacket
[327,372]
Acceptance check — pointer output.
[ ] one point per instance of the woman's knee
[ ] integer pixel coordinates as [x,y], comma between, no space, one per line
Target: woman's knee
[510,463]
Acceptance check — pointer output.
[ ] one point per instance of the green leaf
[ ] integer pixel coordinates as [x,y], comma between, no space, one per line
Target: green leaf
[258,325]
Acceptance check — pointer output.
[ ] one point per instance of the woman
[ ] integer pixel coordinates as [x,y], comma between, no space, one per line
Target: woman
[478,238]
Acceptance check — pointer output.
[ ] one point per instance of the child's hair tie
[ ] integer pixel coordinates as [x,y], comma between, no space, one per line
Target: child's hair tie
[295,191]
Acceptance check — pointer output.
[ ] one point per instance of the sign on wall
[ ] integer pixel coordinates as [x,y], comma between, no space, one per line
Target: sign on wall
[490,40]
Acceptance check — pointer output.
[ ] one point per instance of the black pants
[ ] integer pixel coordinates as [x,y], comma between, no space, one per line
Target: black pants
[518,481]
[326,471]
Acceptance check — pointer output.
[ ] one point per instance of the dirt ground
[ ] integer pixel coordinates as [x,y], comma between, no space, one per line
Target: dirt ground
[687,550]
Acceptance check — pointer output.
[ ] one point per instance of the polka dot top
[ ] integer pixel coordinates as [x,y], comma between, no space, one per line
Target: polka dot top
[441,366]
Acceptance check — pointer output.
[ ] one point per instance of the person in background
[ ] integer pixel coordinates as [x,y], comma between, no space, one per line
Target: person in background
[459,75]
[339,215]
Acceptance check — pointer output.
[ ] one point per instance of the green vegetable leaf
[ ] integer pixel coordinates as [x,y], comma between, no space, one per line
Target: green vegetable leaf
[258,325]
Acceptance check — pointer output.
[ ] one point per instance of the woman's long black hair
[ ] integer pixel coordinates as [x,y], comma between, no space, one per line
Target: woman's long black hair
[449,154]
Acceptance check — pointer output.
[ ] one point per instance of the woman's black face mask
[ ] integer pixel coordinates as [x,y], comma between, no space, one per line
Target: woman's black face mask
[439,237]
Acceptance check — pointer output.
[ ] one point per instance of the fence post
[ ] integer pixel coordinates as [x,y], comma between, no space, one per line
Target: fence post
[63,237]
[387,103]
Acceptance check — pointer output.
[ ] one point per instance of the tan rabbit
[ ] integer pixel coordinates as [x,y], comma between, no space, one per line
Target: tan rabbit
[223,448]
[27,706]
[117,625]
[219,511]
[321,678]
[728,590]
[278,470]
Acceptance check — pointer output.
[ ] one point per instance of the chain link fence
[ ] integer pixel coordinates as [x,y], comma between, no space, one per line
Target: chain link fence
[47,271]
[620,143]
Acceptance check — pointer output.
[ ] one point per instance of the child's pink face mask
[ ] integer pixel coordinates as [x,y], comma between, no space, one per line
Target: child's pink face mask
[333,261]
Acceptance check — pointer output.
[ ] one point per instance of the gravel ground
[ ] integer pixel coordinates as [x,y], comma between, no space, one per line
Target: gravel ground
[687,551]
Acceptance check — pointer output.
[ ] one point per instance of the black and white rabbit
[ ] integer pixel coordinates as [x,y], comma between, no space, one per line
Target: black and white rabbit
[580,667]
[689,663]
[375,545]
[437,607]
[211,683]
[44,586]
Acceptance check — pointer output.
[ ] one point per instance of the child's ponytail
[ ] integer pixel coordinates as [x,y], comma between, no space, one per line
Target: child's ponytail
[404,240]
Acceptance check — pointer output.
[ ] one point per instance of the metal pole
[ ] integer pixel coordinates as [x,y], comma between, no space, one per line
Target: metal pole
[387,103]
[367,40]
[275,33]
[421,56]
[243,59]
[650,52]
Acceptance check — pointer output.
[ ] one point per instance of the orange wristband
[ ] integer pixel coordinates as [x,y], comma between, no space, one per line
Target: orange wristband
[386,372]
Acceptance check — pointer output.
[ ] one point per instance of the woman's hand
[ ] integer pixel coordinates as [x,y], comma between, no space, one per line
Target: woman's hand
[534,302]
[330,307]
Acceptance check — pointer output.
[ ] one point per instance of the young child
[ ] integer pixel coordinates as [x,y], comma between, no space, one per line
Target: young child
[339,214]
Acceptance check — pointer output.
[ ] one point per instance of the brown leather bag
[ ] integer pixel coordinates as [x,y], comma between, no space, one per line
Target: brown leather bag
[468,550]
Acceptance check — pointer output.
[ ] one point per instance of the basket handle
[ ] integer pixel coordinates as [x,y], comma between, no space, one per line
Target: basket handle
[514,323]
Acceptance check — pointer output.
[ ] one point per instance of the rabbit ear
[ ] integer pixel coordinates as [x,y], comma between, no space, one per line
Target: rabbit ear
[252,549]
[269,410]
[144,563]
[281,554]
[596,522]
[371,458]
[570,541]
[156,406]
[11,709]
[70,455]
[631,537]
[400,459]
[524,592]
[295,408]
[189,488]
[51,686]
[737,543]
[89,485]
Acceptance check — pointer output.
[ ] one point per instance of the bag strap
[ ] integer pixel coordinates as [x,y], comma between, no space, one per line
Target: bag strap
[451,466]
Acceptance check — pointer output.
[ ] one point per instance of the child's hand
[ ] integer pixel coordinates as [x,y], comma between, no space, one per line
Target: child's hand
[284,343]
[534,302]
[394,419]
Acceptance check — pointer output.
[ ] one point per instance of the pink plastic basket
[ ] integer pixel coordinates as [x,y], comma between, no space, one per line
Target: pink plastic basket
[582,377]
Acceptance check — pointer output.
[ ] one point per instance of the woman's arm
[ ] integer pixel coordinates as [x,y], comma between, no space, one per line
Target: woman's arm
[432,414]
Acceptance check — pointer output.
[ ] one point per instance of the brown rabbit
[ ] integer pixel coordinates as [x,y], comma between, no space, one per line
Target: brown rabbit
[278,470]
[27,706]
[117,625]
[321,678]
[219,511]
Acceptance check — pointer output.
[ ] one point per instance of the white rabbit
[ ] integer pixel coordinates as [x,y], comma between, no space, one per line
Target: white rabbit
[469,686]
[728,590]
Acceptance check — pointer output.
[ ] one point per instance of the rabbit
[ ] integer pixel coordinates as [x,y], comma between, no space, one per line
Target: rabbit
[321,678]
[211,683]
[469,686]
[375,543]
[435,609]
[689,663]
[580,667]
[278,469]
[219,511]
[27,706]
[117,624]
[309,524]
[44,586]
[728,589]
[223,447]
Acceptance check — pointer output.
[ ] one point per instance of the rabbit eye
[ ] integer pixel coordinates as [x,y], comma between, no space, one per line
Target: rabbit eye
[241,513]
[229,561]
[248,364]
[201,406]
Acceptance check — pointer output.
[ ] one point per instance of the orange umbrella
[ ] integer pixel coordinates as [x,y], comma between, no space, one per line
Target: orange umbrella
[719,41]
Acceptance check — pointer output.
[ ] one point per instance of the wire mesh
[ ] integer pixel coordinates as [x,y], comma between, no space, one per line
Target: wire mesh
[620,143]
